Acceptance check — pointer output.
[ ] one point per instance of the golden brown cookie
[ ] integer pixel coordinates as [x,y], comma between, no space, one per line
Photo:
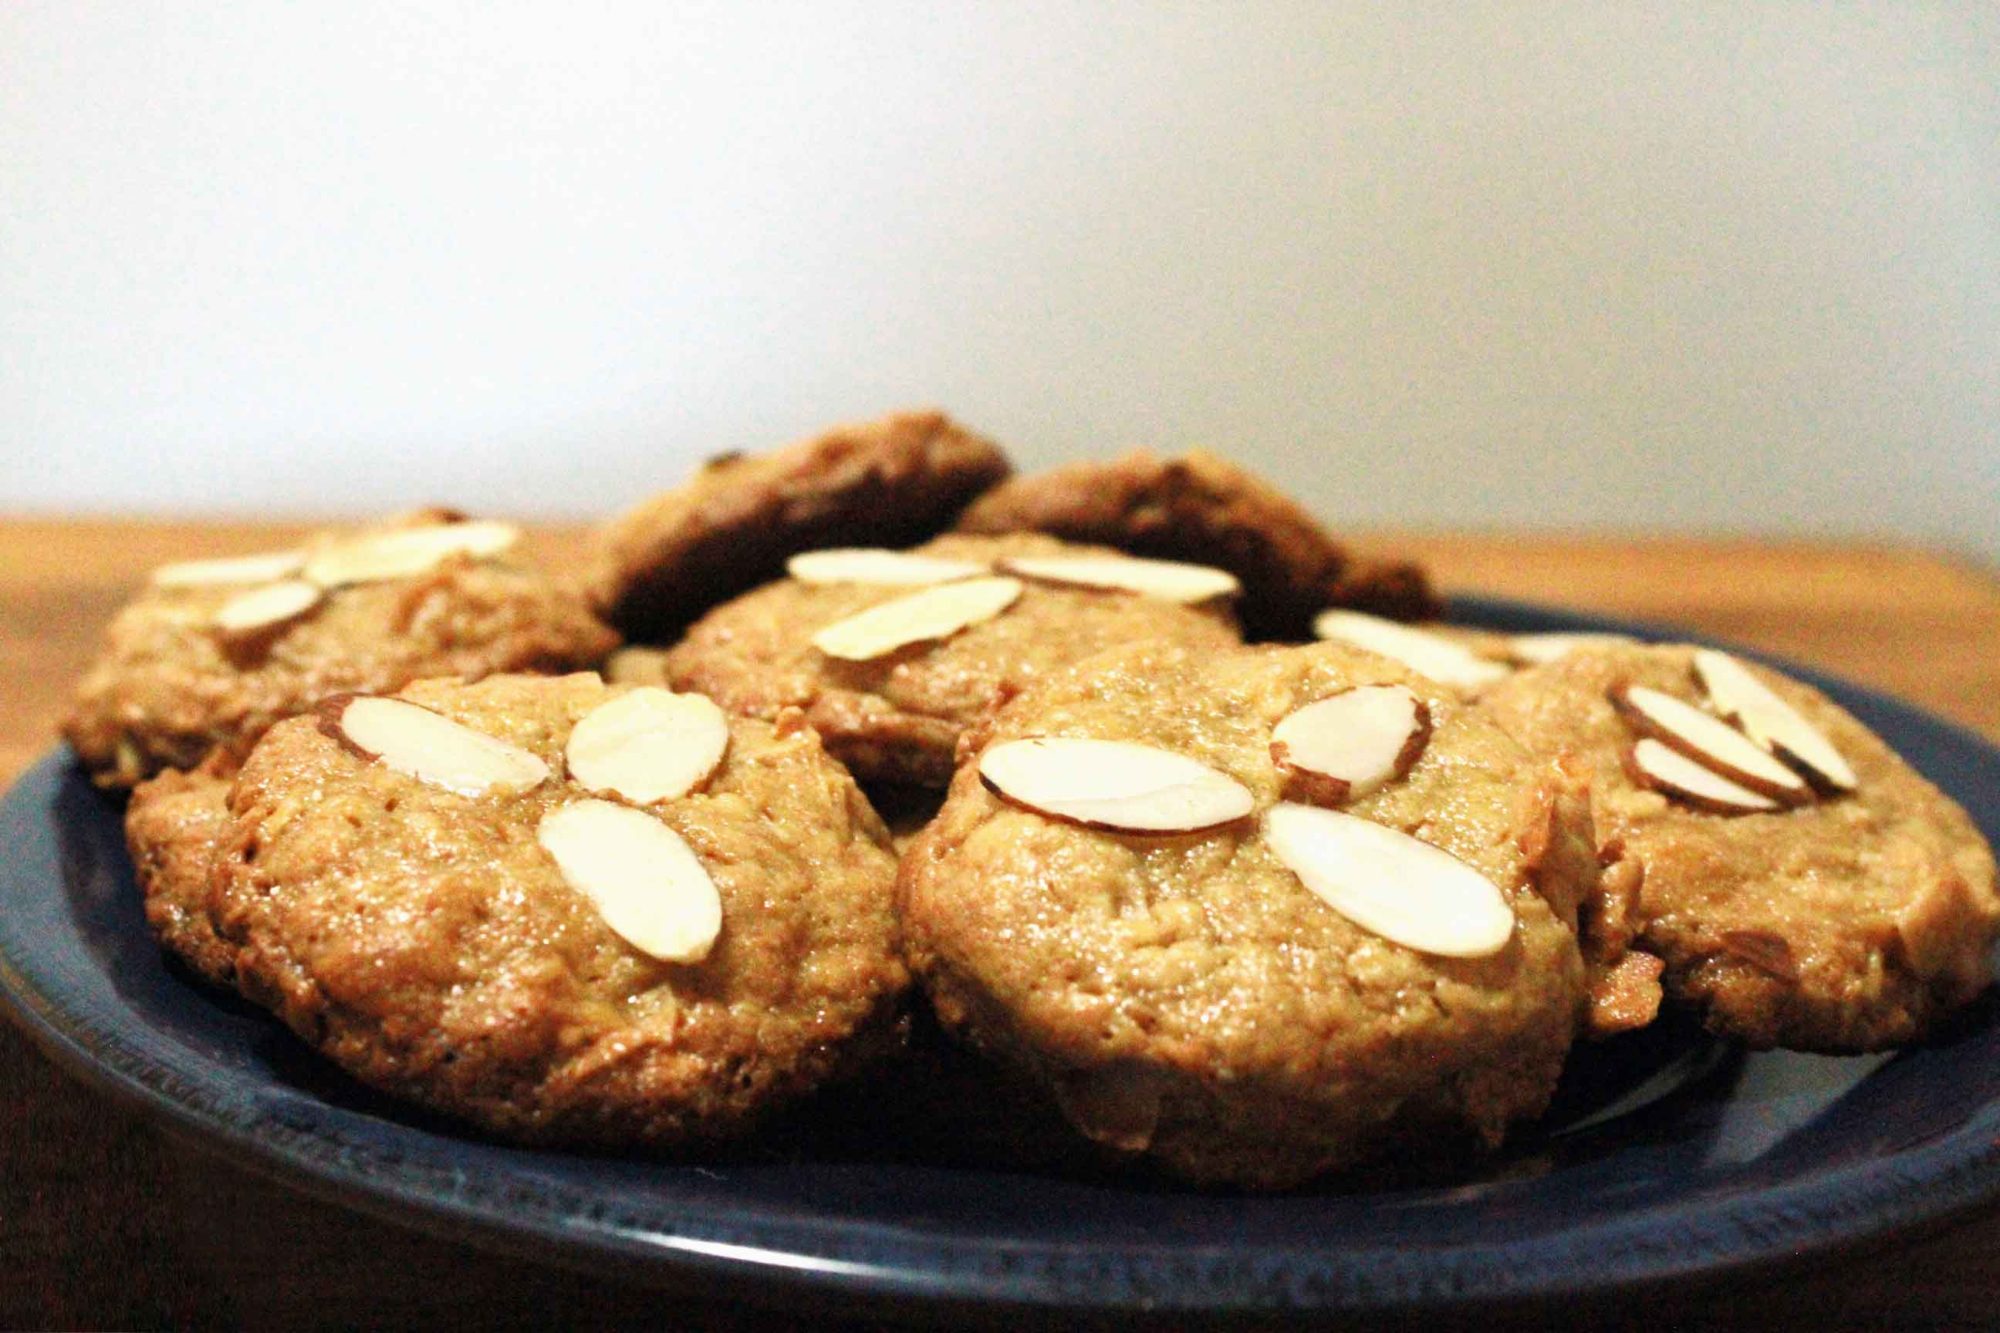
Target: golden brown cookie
[475,897]
[1200,507]
[897,716]
[888,482]
[1801,913]
[174,828]
[211,653]
[1182,992]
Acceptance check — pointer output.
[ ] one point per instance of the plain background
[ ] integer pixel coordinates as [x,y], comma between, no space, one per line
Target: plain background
[1714,268]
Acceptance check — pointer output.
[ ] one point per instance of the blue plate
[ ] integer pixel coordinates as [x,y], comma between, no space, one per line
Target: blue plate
[1666,1155]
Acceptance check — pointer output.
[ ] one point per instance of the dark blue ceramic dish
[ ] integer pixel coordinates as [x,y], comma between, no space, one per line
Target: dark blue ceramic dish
[1666,1156]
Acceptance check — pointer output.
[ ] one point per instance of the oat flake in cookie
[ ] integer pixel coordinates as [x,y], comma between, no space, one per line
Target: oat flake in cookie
[1242,974]
[891,674]
[213,652]
[1802,883]
[460,896]
[888,482]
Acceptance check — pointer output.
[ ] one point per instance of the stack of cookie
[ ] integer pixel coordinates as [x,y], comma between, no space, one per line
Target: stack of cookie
[1249,908]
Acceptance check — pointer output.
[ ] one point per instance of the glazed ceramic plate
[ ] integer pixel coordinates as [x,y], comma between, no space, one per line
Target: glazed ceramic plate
[1666,1155]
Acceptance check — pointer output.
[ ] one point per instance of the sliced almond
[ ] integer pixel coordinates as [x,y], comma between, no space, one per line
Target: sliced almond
[404,552]
[648,745]
[1707,739]
[933,613]
[1114,785]
[1390,883]
[1427,654]
[1343,747]
[1694,784]
[1168,580]
[879,567]
[274,604]
[1770,721]
[644,880]
[1540,649]
[244,569]
[430,746]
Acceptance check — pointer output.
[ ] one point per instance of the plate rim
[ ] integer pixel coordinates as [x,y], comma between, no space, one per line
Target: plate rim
[1777,1225]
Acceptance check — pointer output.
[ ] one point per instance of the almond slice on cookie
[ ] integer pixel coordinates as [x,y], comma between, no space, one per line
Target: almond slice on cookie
[1347,745]
[251,613]
[429,746]
[1117,786]
[406,552]
[1387,882]
[1669,771]
[879,567]
[1708,740]
[1425,653]
[1541,649]
[642,877]
[1168,580]
[264,567]
[1770,721]
[647,745]
[933,613]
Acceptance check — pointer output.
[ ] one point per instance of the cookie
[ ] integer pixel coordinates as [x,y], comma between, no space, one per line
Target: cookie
[1203,508]
[174,827]
[563,911]
[1256,914]
[889,482]
[1835,911]
[893,711]
[213,652]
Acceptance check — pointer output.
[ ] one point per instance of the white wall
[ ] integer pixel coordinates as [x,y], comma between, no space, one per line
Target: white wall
[1608,265]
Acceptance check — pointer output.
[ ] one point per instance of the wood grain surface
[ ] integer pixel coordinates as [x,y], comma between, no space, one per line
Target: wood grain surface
[105,1221]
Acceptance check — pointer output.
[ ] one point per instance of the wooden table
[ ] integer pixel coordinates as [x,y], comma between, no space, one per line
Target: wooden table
[105,1221]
